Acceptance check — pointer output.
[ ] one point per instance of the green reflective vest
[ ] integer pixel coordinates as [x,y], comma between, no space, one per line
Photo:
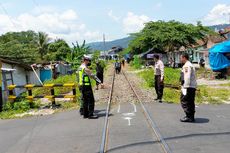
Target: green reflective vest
[83,79]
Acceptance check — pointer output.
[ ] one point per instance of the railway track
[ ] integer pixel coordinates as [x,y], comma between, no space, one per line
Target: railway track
[151,124]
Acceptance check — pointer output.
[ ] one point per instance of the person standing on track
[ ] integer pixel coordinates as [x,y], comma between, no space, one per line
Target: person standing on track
[123,62]
[189,84]
[87,93]
[117,66]
[100,71]
[159,78]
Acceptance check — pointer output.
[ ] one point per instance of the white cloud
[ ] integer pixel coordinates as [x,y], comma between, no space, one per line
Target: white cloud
[134,23]
[112,16]
[69,15]
[218,15]
[57,24]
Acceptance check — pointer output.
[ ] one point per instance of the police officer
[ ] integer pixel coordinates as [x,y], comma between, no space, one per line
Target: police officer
[189,84]
[85,87]
[159,77]
[99,74]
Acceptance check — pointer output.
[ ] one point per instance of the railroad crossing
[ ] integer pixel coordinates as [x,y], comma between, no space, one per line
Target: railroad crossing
[125,124]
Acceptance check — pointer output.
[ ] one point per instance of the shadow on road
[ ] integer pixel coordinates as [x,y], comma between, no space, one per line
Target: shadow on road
[169,138]
[201,120]
[101,113]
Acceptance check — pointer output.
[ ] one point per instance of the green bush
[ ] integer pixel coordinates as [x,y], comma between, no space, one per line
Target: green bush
[22,105]
[136,63]
[8,106]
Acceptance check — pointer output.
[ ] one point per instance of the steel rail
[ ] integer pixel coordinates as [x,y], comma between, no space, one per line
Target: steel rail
[151,122]
[105,129]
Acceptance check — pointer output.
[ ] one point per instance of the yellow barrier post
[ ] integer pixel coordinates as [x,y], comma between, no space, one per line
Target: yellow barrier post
[52,96]
[29,88]
[11,96]
[73,86]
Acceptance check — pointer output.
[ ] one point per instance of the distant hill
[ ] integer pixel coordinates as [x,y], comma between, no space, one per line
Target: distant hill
[125,41]
[220,26]
[109,44]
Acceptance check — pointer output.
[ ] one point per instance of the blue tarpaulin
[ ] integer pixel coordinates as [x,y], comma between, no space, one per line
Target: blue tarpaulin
[218,56]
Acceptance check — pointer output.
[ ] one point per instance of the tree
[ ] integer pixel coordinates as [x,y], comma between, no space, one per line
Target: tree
[42,42]
[19,46]
[58,50]
[77,53]
[167,36]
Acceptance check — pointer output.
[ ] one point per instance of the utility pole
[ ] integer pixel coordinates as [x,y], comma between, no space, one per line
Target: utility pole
[104,45]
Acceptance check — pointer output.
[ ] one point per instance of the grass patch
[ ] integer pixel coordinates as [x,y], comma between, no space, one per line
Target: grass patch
[212,95]
[11,109]
[205,94]
[171,95]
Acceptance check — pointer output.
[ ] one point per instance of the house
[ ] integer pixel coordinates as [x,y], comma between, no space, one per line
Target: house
[201,50]
[47,71]
[14,72]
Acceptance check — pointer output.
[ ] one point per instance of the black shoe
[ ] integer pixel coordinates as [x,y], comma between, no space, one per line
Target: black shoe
[187,119]
[160,101]
[156,99]
[81,111]
[85,117]
[93,117]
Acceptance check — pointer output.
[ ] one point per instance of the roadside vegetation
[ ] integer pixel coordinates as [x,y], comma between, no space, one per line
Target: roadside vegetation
[205,94]
[11,109]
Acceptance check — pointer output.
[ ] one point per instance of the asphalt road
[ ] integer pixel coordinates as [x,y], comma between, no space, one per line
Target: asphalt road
[67,132]
[209,134]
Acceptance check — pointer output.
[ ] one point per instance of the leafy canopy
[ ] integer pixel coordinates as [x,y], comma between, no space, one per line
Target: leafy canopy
[167,36]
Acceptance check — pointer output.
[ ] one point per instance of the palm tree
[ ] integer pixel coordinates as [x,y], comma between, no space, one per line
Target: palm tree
[42,42]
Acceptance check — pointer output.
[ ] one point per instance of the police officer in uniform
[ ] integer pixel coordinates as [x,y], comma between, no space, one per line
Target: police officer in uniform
[159,78]
[84,73]
[189,84]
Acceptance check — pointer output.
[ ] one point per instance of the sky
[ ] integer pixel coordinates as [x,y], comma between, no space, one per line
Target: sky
[78,20]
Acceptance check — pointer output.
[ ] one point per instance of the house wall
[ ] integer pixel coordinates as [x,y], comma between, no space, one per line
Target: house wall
[19,78]
[32,79]
[201,54]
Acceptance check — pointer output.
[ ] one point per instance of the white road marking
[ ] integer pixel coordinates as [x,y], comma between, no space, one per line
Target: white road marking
[129,120]
[119,108]
[134,107]
[128,114]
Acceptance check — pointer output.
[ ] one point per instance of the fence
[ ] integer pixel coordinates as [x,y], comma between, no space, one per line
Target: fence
[51,96]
